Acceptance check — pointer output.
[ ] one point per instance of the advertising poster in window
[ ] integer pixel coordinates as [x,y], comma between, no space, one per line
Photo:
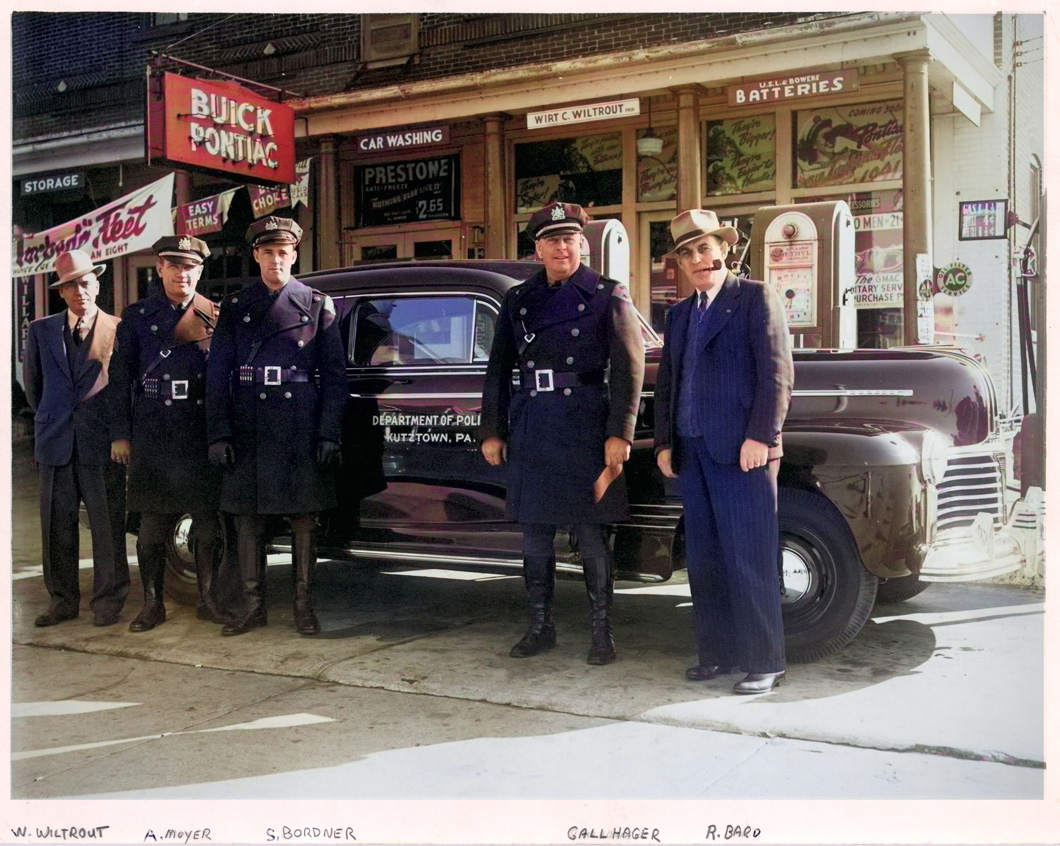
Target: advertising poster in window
[878,249]
[657,175]
[587,171]
[391,193]
[741,155]
[847,144]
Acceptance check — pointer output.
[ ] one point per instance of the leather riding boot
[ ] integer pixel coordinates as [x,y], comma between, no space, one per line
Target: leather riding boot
[600,586]
[250,554]
[208,556]
[539,573]
[152,558]
[305,560]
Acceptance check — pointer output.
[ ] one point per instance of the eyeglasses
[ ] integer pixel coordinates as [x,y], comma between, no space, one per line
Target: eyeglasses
[564,240]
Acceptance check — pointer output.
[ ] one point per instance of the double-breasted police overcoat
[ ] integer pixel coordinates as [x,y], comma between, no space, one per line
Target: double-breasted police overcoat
[276,386]
[580,354]
[158,402]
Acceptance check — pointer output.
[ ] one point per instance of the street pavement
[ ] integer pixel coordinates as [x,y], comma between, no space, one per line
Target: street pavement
[409,694]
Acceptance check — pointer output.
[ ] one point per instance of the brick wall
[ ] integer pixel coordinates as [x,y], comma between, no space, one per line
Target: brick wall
[101,56]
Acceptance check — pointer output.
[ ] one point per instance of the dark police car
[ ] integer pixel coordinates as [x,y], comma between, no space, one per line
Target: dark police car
[894,470]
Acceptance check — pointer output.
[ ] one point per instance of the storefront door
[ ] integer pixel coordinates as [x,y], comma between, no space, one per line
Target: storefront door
[438,243]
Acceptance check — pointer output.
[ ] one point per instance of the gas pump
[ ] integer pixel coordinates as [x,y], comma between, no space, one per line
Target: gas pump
[605,248]
[806,252]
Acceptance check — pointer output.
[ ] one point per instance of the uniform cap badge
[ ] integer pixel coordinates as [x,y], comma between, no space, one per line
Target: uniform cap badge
[272,224]
[184,244]
[558,213]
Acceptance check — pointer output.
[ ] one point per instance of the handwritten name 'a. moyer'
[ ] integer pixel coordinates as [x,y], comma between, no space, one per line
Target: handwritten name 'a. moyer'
[617,833]
[173,835]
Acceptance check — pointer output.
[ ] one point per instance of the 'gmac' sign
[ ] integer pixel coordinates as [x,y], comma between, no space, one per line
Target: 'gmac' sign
[220,126]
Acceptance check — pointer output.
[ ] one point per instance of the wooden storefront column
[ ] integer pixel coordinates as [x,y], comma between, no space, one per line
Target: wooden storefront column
[689,171]
[916,180]
[496,185]
[327,214]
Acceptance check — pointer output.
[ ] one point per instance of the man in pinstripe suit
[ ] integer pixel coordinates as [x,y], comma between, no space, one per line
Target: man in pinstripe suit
[722,393]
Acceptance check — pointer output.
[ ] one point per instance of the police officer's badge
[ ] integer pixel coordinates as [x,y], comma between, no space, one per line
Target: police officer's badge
[184,243]
[558,213]
[271,223]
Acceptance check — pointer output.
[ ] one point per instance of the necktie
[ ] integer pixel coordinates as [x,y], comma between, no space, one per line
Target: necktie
[703,302]
[79,329]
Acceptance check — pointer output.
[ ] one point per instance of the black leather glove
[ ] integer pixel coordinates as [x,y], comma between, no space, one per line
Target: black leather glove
[329,454]
[222,454]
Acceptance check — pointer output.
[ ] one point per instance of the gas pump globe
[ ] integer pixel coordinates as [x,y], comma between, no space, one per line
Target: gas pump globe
[806,252]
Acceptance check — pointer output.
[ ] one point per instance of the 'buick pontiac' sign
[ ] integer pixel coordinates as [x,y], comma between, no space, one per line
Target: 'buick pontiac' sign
[220,126]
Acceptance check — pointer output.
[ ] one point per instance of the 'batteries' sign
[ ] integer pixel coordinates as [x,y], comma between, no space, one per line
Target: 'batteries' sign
[805,84]
[220,126]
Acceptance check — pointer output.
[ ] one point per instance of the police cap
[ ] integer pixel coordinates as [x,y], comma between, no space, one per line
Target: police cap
[183,247]
[556,219]
[273,229]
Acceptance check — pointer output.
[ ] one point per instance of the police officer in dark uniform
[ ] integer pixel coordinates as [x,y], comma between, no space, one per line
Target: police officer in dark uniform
[276,392]
[566,432]
[158,424]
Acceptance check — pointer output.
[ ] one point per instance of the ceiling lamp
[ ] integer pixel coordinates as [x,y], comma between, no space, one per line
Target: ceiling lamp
[649,144]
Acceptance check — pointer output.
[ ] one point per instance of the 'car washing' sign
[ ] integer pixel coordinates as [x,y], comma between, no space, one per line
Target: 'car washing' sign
[220,126]
[390,193]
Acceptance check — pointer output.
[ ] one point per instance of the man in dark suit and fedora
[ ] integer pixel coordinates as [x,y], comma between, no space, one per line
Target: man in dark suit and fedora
[158,390]
[722,394]
[66,375]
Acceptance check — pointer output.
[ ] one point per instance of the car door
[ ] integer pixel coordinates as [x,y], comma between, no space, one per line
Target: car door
[416,365]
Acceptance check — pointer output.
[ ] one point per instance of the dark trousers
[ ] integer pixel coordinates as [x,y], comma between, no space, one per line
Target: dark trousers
[538,539]
[155,528]
[102,489]
[732,537]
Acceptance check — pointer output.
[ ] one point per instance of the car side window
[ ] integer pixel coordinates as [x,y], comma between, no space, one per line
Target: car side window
[420,330]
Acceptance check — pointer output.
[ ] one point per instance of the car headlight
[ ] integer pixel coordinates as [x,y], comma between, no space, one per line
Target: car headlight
[934,456]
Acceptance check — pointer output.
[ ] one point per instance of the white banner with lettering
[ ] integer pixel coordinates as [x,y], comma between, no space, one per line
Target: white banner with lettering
[127,225]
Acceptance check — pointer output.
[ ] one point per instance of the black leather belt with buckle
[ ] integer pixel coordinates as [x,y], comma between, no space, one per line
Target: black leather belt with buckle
[545,380]
[270,375]
[165,389]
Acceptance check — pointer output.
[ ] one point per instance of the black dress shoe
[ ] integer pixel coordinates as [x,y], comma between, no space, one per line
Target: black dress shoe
[758,682]
[102,620]
[238,627]
[705,672]
[53,616]
[153,614]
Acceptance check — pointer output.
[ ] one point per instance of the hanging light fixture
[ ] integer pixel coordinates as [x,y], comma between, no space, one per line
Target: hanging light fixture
[649,144]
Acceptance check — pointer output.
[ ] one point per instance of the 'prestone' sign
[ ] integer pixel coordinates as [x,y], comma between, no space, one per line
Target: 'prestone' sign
[221,126]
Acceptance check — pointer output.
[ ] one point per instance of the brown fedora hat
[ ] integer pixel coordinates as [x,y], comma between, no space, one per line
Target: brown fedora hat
[693,224]
[74,264]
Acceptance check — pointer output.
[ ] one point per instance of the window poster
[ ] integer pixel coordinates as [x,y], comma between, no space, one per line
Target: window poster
[848,144]
[741,155]
[586,171]
[878,249]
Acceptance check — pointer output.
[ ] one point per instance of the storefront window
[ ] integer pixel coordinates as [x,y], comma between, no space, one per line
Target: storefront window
[741,155]
[839,145]
[879,265]
[663,274]
[395,193]
[657,175]
[586,171]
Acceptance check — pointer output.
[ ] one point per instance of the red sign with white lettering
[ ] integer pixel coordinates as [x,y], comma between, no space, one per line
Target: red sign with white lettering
[220,126]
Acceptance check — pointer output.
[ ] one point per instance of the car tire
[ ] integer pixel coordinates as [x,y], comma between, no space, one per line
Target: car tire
[182,582]
[828,593]
[893,591]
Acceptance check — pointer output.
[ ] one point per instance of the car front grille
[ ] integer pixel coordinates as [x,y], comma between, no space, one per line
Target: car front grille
[973,484]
